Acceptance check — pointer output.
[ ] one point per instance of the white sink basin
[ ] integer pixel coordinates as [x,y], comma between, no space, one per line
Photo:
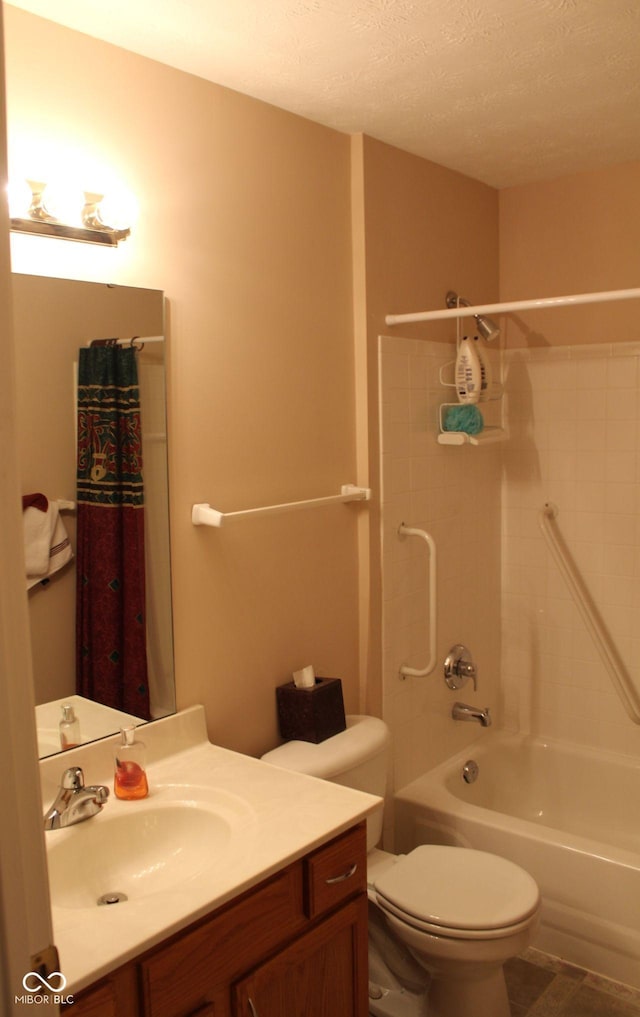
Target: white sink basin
[150,849]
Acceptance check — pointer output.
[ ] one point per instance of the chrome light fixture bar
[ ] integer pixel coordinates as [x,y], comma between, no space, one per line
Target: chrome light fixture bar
[91,228]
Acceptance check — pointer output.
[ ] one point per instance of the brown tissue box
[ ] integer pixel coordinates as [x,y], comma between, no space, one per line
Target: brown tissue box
[311,715]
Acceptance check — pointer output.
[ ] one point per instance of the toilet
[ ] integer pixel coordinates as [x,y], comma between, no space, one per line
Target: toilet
[442,920]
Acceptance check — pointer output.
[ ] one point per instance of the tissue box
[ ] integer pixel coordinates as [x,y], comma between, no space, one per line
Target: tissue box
[311,715]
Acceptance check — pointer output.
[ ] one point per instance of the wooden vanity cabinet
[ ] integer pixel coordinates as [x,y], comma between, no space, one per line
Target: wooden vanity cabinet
[296,945]
[317,975]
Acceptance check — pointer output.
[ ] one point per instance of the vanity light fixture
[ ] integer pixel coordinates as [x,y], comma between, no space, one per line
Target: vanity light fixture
[92,219]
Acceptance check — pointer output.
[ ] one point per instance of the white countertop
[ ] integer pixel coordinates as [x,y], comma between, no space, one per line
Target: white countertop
[275,816]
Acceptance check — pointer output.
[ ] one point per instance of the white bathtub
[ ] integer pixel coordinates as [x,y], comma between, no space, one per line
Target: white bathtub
[570,816]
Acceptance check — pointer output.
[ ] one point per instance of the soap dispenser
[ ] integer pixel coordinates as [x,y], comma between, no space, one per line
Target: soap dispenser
[130,778]
[69,728]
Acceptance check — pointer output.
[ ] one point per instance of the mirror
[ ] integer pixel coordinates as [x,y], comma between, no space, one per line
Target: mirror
[53,318]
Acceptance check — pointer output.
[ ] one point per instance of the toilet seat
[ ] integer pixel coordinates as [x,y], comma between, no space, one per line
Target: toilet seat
[458,892]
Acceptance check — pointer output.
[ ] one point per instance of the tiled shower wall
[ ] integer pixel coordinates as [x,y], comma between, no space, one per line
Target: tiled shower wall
[453,493]
[574,439]
[574,416]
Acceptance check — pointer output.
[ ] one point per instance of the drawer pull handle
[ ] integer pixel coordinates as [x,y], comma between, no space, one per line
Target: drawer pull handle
[345,875]
[254,1012]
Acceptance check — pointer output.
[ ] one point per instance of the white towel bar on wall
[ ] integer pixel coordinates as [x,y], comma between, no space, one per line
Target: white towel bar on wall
[620,679]
[204,515]
[414,672]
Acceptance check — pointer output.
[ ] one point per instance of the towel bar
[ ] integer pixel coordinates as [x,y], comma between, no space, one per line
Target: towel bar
[204,515]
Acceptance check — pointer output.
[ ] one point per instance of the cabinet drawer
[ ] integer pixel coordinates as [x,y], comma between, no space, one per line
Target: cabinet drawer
[336,871]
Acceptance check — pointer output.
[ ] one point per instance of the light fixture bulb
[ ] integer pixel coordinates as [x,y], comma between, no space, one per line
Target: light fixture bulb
[20,198]
[118,209]
[64,200]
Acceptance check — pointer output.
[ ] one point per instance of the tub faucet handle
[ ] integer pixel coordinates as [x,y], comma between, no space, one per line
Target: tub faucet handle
[459,667]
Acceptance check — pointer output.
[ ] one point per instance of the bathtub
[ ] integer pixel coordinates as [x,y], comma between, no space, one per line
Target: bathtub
[568,815]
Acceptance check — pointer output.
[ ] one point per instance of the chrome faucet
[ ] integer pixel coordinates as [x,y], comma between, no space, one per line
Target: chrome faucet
[461,711]
[75,802]
[459,667]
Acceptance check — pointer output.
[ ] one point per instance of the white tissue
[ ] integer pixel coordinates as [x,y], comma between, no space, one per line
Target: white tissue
[305,678]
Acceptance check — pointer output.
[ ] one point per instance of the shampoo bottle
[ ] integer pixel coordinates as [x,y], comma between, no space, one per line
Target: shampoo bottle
[468,372]
[69,728]
[130,777]
[486,376]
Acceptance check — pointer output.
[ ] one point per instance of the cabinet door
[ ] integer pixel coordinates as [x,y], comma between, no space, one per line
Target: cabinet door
[196,969]
[322,973]
[115,996]
[100,1002]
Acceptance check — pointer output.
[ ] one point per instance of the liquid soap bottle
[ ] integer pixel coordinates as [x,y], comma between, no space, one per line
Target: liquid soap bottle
[130,777]
[486,373]
[468,372]
[69,728]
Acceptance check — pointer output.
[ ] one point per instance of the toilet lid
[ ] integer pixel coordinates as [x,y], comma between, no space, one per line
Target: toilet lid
[458,888]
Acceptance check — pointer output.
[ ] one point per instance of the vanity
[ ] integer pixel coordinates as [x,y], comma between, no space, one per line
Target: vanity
[245,886]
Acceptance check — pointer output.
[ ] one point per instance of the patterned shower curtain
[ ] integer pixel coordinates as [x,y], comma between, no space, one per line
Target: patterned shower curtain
[111,658]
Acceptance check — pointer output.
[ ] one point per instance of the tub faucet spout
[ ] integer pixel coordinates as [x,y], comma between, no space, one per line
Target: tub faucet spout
[461,711]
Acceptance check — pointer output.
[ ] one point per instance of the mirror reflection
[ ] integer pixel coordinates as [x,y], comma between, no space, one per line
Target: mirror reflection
[95,511]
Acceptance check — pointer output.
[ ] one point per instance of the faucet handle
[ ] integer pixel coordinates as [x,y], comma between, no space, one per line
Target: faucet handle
[459,667]
[101,793]
[72,779]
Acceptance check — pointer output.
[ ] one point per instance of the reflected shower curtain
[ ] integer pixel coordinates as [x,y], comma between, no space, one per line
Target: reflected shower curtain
[111,658]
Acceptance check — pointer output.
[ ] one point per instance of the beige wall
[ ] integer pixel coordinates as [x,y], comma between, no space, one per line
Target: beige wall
[575,234]
[425,230]
[245,224]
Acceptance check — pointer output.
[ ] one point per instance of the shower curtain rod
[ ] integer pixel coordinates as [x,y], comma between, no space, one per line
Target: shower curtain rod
[515,305]
[134,338]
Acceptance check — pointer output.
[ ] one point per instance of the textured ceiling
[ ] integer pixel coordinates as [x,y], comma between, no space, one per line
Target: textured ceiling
[506,91]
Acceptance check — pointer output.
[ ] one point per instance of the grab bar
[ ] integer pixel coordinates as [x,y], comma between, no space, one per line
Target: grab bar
[204,515]
[413,672]
[620,679]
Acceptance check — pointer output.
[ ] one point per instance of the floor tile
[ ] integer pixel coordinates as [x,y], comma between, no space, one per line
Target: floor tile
[555,964]
[602,984]
[525,981]
[540,985]
[589,1002]
[517,1010]
[554,999]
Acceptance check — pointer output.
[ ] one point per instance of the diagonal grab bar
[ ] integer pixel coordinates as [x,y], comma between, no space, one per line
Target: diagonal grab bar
[620,679]
[413,672]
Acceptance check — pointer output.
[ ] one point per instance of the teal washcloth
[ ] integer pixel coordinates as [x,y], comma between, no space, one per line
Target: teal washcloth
[465,417]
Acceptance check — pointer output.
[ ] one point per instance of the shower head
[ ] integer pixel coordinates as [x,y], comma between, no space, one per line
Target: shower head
[486,327]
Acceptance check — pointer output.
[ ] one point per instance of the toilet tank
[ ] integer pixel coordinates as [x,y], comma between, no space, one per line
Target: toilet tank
[357,758]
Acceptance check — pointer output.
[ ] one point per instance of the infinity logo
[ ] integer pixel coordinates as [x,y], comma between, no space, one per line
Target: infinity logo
[33,980]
